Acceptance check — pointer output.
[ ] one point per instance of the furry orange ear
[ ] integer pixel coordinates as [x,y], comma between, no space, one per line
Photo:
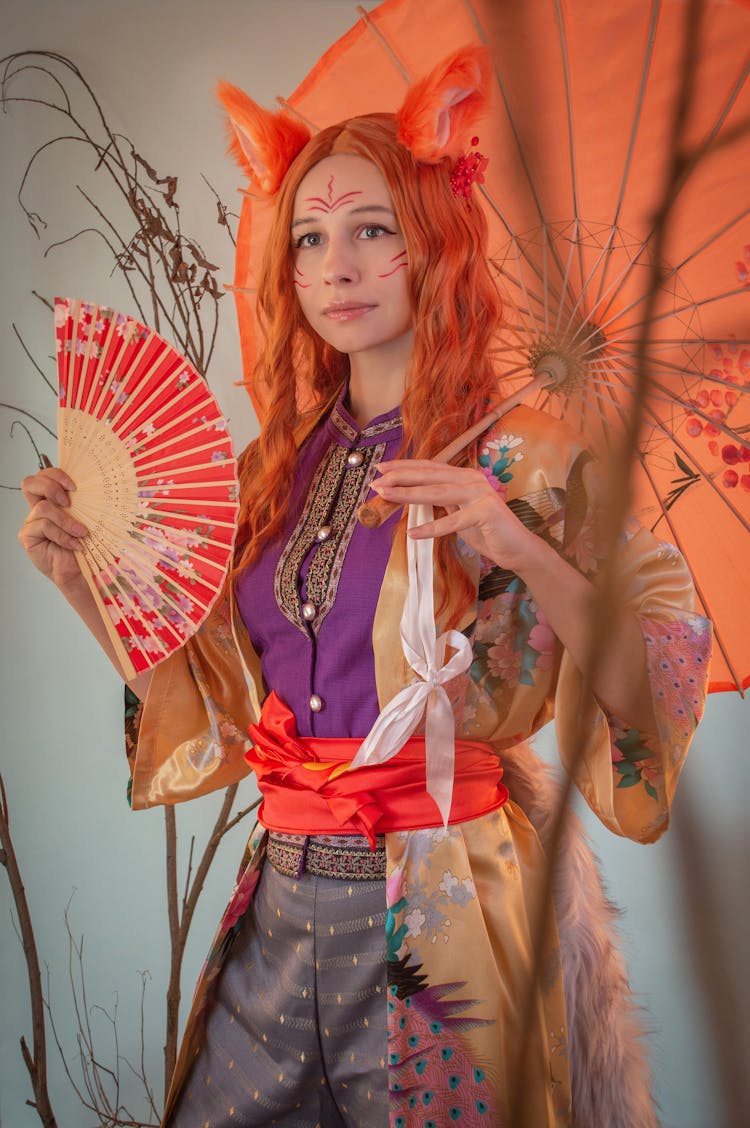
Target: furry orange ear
[263,143]
[441,110]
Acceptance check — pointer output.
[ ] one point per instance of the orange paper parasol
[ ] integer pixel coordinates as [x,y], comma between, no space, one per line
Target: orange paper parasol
[578,140]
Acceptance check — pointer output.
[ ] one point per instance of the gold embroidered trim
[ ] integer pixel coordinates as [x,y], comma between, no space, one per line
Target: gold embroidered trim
[372,431]
[332,499]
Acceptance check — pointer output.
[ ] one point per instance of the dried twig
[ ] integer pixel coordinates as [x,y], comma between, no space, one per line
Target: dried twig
[223,212]
[35,1059]
[30,437]
[29,415]
[99,1087]
[706,936]
[52,387]
[681,163]
[180,915]
[173,284]
[164,269]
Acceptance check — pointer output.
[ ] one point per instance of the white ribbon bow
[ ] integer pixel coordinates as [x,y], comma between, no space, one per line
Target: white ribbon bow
[425,653]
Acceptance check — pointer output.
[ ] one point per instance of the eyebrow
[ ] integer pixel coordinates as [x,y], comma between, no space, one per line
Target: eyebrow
[381,209]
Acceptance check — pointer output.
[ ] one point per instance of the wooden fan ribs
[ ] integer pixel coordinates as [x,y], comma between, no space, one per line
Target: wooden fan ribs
[156,483]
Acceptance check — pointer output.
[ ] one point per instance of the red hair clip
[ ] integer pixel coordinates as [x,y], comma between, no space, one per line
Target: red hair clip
[466,170]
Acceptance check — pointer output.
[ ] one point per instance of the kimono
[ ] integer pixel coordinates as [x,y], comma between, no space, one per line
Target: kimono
[461,901]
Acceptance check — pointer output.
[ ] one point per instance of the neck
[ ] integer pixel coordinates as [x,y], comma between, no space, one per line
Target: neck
[376,381]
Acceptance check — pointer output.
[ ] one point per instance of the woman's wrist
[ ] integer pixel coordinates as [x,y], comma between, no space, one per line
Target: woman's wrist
[533,561]
[76,590]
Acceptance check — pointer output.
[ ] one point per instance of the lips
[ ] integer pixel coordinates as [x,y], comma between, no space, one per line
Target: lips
[346,311]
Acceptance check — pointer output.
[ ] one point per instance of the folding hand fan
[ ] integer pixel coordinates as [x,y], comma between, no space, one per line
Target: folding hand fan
[143,438]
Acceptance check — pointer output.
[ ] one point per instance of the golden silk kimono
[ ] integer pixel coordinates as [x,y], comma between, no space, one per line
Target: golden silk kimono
[462,901]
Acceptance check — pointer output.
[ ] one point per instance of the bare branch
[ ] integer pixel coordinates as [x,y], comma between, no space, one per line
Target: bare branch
[44,301]
[172,268]
[23,345]
[179,926]
[43,70]
[169,272]
[188,872]
[618,501]
[239,816]
[39,456]
[177,946]
[29,415]
[22,425]
[36,1059]
[99,1090]
[223,212]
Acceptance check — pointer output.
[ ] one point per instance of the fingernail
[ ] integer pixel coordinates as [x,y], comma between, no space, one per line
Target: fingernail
[80,531]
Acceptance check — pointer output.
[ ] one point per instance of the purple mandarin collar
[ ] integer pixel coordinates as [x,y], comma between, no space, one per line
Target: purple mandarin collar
[345,430]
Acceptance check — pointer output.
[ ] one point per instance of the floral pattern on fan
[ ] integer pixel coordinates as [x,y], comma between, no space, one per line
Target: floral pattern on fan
[143,438]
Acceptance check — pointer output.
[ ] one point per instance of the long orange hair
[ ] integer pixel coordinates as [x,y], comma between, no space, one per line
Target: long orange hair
[456,308]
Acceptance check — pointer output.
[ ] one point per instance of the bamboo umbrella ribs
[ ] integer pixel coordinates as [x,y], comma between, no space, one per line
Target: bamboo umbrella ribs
[577,140]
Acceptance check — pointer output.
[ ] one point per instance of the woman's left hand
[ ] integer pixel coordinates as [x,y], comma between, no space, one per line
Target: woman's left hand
[473,509]
[478,513]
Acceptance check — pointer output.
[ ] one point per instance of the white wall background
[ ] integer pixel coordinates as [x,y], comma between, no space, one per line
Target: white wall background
[153,65]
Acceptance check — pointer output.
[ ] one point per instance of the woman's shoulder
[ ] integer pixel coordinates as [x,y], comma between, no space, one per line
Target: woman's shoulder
[535,424]
[535,440]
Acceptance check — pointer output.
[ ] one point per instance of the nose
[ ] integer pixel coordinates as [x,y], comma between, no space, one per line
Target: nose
[339,265]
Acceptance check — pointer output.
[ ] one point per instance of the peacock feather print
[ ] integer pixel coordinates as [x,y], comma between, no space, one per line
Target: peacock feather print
[433,1082]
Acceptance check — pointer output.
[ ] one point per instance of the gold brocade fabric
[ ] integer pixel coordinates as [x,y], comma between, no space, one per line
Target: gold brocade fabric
[461,901]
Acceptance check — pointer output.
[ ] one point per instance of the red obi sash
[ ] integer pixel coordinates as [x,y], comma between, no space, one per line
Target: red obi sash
[307,786]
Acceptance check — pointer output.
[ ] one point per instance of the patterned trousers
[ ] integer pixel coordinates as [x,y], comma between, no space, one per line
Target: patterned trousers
[296,1035]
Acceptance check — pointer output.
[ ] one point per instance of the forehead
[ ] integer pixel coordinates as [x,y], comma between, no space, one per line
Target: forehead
[340,181]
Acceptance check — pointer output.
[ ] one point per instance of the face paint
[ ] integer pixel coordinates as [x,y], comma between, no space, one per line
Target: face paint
[317,203]
[348,257]
[400,260]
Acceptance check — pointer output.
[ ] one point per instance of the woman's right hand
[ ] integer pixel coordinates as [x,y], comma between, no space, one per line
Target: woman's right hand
[49,535]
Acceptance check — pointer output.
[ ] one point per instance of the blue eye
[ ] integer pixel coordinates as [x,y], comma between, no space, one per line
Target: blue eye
[311,239]
[373,231]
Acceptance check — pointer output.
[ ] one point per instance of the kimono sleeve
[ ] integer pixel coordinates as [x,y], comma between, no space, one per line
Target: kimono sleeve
[627,777]
[189,736]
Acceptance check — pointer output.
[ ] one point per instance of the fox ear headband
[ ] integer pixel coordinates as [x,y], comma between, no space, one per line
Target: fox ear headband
[438,114]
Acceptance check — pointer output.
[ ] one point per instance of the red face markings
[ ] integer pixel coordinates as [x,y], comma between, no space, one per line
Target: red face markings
[302,285]
[317,203]
[400,260]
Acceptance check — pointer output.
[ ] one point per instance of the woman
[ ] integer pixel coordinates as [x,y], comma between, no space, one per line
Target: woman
[376,952]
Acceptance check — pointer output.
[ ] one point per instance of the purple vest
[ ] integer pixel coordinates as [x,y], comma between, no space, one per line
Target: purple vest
[309,601]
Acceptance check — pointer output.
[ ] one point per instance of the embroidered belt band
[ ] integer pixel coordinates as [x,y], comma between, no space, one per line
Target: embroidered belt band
[325,857]
[309,788]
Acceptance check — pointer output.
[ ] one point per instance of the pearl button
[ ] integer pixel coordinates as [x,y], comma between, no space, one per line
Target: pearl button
[323,533]
[316,703]
[356,458]
[309,611]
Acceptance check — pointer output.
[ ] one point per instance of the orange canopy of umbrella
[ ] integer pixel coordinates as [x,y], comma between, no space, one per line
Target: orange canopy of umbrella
[578,139]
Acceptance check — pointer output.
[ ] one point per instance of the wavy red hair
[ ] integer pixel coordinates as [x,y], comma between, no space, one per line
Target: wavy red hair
[456,307]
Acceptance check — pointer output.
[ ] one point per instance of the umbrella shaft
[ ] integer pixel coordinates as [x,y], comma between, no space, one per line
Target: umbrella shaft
[373,513]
